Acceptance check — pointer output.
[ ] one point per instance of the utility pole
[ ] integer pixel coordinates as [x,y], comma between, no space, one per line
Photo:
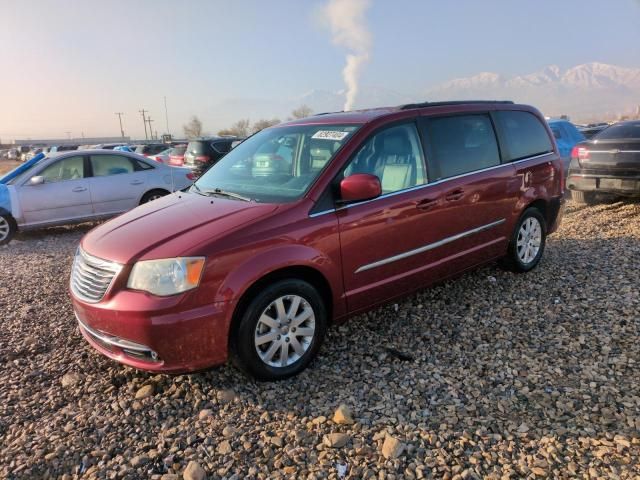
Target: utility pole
[119,114]
[150,130]
[166,115]
[144,121]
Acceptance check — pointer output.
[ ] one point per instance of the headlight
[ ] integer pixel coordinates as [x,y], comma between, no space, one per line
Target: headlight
[168,276]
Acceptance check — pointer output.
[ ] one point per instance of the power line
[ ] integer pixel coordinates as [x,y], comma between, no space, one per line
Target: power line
[119,114]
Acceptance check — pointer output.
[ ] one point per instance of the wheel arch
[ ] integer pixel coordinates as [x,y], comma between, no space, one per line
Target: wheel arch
[550,210]
[299,272]
[151,190]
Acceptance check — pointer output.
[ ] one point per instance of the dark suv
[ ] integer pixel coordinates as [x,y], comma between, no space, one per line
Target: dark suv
[151,149]
[608,163]
[206,151]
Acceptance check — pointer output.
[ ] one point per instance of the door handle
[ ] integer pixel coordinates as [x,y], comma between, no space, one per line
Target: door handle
[79,189]
[137,182]
[454,195]
[426,203]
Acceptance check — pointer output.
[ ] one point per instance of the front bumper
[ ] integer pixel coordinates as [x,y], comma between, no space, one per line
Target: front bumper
[606,183]
[153,334]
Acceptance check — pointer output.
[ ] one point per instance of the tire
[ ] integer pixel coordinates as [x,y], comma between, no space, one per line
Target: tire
[526,249]
[584,198]
[260,318]
[153,195]
[8,228]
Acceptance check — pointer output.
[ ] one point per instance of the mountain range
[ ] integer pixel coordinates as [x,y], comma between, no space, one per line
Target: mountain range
[587,92]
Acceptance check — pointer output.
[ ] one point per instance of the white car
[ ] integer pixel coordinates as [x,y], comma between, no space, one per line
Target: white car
[78,186]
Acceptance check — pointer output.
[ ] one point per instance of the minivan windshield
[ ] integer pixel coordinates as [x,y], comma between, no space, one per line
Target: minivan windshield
[276,165]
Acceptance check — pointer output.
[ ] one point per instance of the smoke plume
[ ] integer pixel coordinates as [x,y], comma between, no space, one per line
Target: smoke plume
[349,30]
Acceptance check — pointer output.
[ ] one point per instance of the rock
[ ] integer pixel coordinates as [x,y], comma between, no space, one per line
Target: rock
[226,396]
[169,476]
[206,413]
[194,472]
[319,420]
[145,391]
[523,428]
[343,416]
[139,460]
[336,440]
[228,431]
[70,379]
[224,447]
[278,441]
[392,447]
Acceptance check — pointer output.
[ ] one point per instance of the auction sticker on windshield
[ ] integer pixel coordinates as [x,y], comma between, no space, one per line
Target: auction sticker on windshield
[330,135]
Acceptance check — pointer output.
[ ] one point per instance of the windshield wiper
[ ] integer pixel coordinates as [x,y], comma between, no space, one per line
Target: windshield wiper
[198,189]
[224,193]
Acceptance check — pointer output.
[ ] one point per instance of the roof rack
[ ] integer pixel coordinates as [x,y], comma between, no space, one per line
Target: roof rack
[327,113]
[409,106]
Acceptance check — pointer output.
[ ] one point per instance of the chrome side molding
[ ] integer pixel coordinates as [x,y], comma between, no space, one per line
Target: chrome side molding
[429,246]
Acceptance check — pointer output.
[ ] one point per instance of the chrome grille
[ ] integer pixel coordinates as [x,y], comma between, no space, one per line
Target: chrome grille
[92,276]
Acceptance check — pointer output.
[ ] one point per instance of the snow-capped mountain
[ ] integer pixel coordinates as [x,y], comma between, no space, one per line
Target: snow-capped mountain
[585,92]
[588,92]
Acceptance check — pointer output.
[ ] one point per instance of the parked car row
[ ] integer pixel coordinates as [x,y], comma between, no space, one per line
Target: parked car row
[77,186]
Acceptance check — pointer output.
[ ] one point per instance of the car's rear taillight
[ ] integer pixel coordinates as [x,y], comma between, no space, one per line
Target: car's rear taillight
[202,158]
[581,153]
[191,176]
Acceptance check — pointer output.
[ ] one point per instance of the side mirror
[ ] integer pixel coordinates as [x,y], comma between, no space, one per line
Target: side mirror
[37,180]
[359,187]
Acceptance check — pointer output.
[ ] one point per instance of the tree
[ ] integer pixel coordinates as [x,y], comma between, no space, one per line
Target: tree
[193,128]
[264,123]
[238,129]
[301,112]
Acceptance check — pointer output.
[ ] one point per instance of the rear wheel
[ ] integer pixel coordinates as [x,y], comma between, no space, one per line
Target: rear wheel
[527,242]
[8,228]
[280,331]
[585,198]
[153,195]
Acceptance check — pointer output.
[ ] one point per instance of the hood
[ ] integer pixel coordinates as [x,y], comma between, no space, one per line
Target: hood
[171,226]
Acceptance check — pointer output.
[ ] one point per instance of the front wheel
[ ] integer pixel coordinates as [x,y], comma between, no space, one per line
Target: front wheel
[280,331]
[8,228]
[527,242]
[153,195]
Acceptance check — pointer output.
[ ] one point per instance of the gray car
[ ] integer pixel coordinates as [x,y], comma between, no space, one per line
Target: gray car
[78,186]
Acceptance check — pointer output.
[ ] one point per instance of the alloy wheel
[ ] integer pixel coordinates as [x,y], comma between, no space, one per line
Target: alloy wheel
[529,240]
[5,229]
[285,331]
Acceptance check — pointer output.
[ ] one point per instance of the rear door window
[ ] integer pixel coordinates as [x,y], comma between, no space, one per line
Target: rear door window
[522,135]
[460,144]
[104,165]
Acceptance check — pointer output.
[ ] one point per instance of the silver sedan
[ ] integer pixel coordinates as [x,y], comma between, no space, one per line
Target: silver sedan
[78,186]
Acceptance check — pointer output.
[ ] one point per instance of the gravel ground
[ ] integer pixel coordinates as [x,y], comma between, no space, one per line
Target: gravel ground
[6,165]
[493,375]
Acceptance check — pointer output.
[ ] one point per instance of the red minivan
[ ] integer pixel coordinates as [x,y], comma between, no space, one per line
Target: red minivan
[310,222]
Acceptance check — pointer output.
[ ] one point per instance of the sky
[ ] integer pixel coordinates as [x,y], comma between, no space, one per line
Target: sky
[69,65]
